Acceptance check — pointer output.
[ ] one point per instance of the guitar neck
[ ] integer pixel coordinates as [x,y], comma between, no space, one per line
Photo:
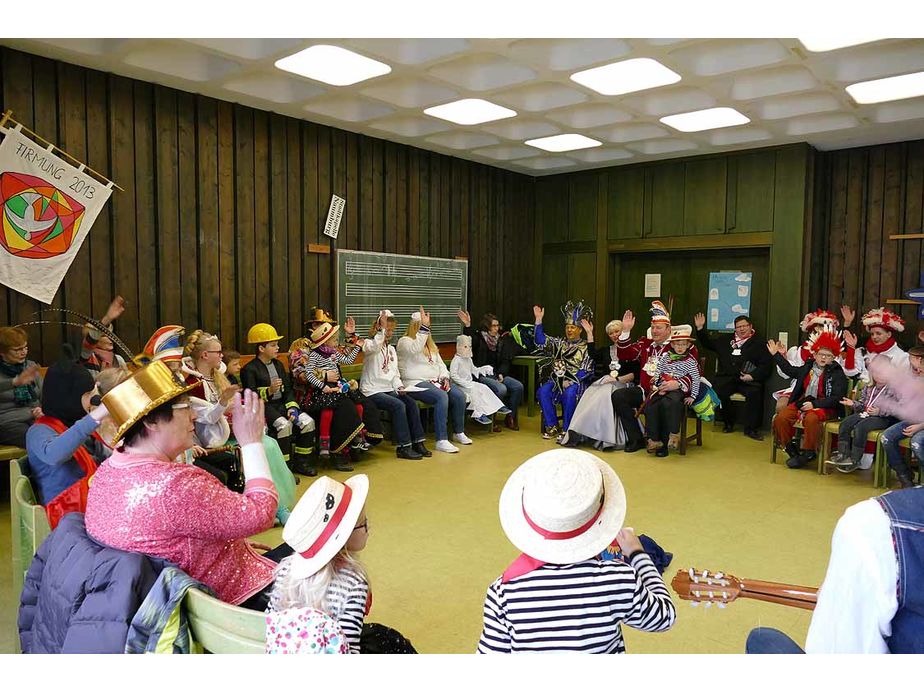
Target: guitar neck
[780,593]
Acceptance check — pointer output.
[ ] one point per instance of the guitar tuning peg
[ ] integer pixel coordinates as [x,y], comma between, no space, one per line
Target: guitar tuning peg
[720,575]
[692,574]
[711,595]
[724,595]
[708,604]
[705,574]
[721,605]
[694,603]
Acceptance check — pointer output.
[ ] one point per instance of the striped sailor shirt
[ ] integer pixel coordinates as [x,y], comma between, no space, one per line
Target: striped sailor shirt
[575,608]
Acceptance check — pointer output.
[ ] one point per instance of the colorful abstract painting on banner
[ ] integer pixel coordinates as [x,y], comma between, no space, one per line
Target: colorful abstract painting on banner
[47,207]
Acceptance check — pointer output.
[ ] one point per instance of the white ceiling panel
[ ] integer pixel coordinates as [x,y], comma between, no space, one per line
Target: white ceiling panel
[789,93]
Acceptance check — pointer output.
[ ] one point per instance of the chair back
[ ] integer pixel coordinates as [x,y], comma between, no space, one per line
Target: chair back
[224,628]
[28,523]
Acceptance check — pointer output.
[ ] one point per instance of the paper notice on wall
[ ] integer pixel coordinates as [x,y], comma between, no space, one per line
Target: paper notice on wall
[334,216]
[652,286]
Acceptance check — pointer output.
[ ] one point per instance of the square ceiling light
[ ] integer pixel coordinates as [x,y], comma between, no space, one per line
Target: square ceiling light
[707,119]
[332,65]
[888,89]
[564,143]
[470,112]
[626,76]
[832,43]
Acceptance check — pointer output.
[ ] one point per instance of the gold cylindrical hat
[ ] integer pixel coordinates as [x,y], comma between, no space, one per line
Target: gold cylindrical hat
[143,392]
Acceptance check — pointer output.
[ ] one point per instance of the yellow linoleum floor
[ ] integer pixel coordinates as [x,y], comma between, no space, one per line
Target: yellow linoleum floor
[436,542]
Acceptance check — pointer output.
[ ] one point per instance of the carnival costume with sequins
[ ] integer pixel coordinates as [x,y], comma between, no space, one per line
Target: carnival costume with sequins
[563,361]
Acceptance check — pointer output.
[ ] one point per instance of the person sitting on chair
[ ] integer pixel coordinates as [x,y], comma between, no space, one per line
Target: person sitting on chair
[744,365]
[675,385]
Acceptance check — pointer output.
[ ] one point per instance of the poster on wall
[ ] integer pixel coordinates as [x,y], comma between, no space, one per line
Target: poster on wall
[47,207]
[729,297]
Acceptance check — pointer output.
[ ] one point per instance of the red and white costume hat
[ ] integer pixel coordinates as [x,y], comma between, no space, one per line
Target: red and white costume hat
[827,340]
[820,317]
[322,521]
[884,318]
[659,313]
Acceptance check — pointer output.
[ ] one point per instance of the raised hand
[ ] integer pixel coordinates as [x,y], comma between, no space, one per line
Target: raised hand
[588,327]
[848,314]
[349,325]
[247,417]
[27,376]
[116,308]
[383,320]
[774,347]
[464,317]
[424,317]
[538,313]
[850,339]
[628,321]
[699,320]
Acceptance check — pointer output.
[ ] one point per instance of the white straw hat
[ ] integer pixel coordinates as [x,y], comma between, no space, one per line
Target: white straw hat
[562,506]
[322,521]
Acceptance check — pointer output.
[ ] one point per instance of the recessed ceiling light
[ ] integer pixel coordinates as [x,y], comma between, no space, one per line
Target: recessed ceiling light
[888,89]
[832,43]
[707,119]
[626,76]
[470,111]
[332,65]
[563,143]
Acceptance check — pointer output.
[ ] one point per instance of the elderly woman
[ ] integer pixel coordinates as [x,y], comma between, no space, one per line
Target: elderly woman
[20,387]
[427,379]
[143,500]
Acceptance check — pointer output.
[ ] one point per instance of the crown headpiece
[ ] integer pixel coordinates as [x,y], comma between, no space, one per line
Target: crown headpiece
[574,312]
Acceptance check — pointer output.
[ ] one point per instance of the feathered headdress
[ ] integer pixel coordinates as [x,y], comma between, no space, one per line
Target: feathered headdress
[575,312]
[831,332]
[166,344]
[819,317]
[827,340]
[659,313]
[884,318]
[85,321]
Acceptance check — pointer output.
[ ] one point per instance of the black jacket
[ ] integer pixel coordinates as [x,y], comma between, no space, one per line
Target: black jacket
[754,351]
[255,376]
[500,358]
[603,358]
[834,383]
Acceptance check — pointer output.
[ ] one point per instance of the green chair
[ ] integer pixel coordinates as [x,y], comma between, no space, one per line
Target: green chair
[882,472]
[223,628]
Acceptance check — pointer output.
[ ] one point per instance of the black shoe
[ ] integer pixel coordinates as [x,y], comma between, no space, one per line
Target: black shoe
[341,464]
[754,435]
[800,460]
[634,446]
[662,451]
[406,452]
[303,468]
[728,428]
[905,480]
[792,448]
[422,449]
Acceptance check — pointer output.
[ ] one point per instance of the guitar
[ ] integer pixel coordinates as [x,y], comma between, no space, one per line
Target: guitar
[721,589]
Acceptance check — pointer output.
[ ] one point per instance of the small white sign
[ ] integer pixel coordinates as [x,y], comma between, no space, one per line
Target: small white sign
[652,286]
[334,215]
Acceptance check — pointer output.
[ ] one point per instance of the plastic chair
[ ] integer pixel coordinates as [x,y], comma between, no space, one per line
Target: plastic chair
[223,628]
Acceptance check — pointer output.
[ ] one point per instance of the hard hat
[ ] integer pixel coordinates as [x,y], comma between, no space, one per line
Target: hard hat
[262,332]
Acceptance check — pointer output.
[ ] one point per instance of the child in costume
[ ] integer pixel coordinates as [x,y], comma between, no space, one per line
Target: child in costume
[322,581]
[267,376]
[909,390]
[820,387]
[674,385]
[882,324]
[567,365]
[482,401]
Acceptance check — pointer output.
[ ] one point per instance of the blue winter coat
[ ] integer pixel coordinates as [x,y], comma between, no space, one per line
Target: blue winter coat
[80,596]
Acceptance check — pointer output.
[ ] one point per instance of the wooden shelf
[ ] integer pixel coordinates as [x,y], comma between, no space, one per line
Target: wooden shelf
[906,236]
[902,302]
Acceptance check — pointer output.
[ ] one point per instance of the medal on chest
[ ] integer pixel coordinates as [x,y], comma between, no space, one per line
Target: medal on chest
[736,352]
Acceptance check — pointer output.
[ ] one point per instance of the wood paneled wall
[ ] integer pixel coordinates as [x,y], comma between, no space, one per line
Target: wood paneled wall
[221,202]
[862,196]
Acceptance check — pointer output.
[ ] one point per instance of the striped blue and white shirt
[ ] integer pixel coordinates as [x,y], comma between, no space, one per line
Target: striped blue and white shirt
[575,608]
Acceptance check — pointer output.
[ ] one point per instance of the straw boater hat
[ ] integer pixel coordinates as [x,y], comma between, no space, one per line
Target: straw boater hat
[136,397]
[682,332]
[322,522]
[321,334]
[562,506]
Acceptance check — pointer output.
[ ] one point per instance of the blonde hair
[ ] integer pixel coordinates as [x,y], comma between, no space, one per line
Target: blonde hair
[413,328]
[613,326]
[312,591]
[195,345]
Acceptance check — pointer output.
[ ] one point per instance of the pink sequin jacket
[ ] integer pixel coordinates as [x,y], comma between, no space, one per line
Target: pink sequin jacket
[185,515]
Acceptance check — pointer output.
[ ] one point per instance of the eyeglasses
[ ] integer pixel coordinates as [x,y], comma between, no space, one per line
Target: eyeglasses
[24,347]
[364,525]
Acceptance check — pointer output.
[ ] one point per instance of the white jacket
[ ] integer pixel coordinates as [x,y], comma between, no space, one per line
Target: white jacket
[380,366]
[413,363]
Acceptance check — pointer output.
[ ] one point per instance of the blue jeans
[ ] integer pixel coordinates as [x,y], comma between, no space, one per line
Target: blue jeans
[510,392]
[891,437]
[447,404]
[771,641]
[405,416]
[549,397]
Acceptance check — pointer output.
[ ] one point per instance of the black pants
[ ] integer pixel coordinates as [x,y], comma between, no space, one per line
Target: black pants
[725,386]
[625,402]
[663,415]
[225,467]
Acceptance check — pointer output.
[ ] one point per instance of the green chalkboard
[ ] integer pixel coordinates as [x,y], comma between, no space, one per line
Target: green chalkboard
[369,282]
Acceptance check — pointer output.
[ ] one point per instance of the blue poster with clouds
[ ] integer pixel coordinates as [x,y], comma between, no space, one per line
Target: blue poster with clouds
[729,297]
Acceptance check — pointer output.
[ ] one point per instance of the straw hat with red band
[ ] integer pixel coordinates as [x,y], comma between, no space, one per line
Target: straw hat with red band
[322,334]
[682,332]
[322,521]
[562,506]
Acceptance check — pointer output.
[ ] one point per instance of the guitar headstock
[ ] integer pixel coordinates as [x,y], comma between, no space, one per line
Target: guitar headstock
[706,586]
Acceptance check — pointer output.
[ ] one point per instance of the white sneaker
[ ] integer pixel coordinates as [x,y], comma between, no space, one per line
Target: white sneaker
[446,446]
[461,438]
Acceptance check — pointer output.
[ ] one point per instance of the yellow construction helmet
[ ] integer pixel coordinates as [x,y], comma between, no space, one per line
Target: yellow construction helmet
[262,332]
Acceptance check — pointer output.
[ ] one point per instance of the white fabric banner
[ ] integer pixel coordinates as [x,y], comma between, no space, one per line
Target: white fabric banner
[47,207]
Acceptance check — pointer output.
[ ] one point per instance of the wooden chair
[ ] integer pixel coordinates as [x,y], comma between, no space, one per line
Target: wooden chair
[697,435]
[223,628]
[853,390]
[882,472]
[831,429]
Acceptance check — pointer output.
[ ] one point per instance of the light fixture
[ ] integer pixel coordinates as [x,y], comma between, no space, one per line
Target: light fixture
[626,76]
[707,119]
[563,143]
[888,89]
[832,43]
[470,111]
[332,65]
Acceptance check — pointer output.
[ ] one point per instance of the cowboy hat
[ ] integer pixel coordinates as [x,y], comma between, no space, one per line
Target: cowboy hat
[322,521]
[562,506]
